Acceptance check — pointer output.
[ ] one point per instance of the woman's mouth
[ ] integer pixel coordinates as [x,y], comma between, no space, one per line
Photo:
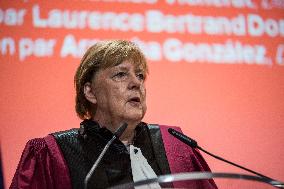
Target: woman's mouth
[135,101]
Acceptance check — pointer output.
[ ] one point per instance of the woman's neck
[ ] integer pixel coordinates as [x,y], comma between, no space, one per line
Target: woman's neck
[127,137]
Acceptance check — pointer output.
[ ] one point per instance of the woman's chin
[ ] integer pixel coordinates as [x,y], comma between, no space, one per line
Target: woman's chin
[134,117]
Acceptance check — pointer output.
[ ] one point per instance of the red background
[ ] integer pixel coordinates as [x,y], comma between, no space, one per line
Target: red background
[233,110]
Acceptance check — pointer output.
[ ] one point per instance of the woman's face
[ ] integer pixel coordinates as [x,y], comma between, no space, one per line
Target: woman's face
[120,94]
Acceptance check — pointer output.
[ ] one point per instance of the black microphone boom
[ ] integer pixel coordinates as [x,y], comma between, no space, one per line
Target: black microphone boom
[116,134]
[185,139]
[192,143]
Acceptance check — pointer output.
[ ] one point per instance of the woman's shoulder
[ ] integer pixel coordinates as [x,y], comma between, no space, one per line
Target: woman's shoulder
[37,145]
[45,163]
[161,128]
[70,132]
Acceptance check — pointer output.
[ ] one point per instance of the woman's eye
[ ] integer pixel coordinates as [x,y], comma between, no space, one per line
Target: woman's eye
[120,74]
[141,76]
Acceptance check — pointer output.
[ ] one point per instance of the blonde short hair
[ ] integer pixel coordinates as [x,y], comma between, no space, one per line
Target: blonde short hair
[103,55]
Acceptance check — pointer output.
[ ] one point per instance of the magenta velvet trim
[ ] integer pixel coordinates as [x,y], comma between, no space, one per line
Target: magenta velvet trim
[182,158]
[42,166]
[61,171]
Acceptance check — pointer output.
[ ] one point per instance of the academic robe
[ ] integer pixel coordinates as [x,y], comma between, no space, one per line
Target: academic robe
[61,160]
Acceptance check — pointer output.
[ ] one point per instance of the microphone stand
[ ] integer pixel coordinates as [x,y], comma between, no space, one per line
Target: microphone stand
[192,143]
[234,164]
[116,134]
[87,178]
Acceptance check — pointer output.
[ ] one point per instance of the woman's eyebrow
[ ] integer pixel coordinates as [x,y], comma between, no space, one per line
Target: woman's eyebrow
[139,69]
[121,68]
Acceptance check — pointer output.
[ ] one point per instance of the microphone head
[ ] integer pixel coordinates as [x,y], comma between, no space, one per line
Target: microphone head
[120,130]
[185,139]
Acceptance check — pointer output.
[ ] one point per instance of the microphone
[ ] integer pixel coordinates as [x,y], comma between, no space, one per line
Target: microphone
[116,135]
[192,143]
[185,139]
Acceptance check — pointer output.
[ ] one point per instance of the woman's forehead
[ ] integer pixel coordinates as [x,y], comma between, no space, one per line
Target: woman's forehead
[124,66]
[129,64]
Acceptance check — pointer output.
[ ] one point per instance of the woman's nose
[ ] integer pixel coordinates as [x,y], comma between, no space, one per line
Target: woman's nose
[134,82]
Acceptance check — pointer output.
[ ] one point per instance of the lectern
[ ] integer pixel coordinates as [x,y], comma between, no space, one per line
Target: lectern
[189,180]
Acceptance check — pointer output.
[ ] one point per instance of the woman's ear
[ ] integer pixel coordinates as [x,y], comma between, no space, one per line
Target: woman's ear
[89,94]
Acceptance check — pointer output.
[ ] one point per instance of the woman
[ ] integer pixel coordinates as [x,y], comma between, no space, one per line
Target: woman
[110,91]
